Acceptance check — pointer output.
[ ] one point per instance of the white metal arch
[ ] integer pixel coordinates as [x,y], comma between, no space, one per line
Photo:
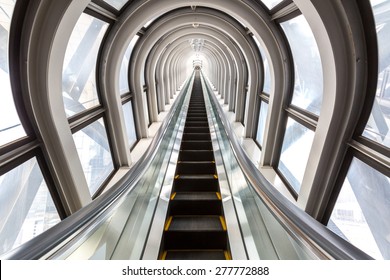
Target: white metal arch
[240,37]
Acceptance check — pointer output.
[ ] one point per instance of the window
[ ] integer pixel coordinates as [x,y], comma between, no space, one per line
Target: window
[296,148]
[95,155]
[10,125]
[261,123]
[307,63]
[129,122]
[360,213]
[79,70]
[117,4]
[27,208]
[123,78]
[271,3]
[378,126]
[267,73]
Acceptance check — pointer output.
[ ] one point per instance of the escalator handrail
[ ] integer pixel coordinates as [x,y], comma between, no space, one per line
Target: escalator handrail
[45,244]
[324,242]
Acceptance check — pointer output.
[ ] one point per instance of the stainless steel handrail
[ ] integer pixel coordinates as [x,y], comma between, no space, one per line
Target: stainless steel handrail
[46,243]
[304,228]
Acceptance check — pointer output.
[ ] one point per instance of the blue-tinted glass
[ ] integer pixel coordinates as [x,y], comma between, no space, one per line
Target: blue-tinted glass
[361,213]
[10,126]
[117,4]
[26,206]
[378,126]
[271,3]
[267,73]
[129,122]
[94,153]
[123,78]
[297,143]
[79,70]
[261,124]
[308,87]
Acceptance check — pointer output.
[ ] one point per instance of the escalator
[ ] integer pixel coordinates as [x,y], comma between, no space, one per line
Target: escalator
[173,204]
[195,227]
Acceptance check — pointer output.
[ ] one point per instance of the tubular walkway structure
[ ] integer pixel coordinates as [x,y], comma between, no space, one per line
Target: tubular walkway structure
[194,195]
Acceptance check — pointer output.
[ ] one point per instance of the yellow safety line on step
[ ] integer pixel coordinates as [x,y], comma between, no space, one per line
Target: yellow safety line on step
[223,223]
[173,196]
[228,257]
[168,223]
[177,176]
[164,255]
[215,176]
[218,195]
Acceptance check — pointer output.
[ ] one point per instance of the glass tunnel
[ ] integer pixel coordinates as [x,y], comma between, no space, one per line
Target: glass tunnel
[172,129]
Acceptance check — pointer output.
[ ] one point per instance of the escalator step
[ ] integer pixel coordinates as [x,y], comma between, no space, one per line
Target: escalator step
[196,119]
[196,155]
[197,203]
[195,167]
[197,124]
[196,223]
[196,136]
[195,255]
[195,240]
[196,145]
[189,129]
[197,183]
[197,111]
[197,196]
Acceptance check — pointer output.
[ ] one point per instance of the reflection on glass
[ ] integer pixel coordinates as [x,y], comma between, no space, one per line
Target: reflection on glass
[10,126]
[267,73]
[361,212]
[117,4]
[378,126]
[295,153]
[261,125]
[123,78]
[26,207]
[307,63]
[79,69]
[129,122]
[271,3]
[95,154]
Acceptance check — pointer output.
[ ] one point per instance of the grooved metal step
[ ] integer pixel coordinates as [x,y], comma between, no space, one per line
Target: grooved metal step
[195,255]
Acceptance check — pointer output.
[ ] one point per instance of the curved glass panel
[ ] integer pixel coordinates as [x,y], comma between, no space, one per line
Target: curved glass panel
[267,73]
[378,126]
[261,123]
[79,70]
[117,4]
[308,87]
[10,126]
[95,154]
[26,207]
[123,78]
[361,210]
[129,122]
[271,3]
[297,143]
